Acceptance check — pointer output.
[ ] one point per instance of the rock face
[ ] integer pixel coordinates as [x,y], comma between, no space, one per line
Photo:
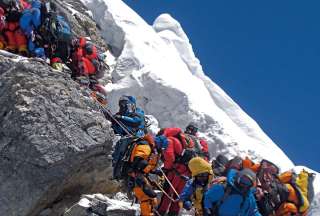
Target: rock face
[98,204]
[80,21]
[53,140]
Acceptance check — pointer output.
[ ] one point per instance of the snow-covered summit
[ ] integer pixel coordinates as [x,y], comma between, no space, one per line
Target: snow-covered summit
[157,64]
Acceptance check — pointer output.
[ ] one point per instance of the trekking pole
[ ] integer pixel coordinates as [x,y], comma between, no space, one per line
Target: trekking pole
[174,190]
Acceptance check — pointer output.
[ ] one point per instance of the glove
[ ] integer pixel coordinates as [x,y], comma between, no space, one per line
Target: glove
[180,204]
[57,66]
[187,205]
[185,178]
[117,116]
[206,212]
[1,45]
[39,52]
[157,172]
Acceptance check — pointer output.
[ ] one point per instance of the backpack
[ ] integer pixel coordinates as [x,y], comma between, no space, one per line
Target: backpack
[197,146]
[273,199]
[56,28]
[121,156]
[227,192]
[100,65]
[303,186]
[189,149]
[144,124]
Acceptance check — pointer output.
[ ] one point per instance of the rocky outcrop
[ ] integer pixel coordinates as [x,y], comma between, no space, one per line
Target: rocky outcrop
[54,142]
[80,21]
[98,204]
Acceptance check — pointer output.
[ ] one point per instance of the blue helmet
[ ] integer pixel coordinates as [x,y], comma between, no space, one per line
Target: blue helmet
[127,103]
[245,179]
[161,142]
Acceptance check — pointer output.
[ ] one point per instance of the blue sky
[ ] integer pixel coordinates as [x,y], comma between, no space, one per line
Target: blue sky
[265,55]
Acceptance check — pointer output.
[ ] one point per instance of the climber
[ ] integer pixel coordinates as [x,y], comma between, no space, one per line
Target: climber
[143,159]
[285,194]
[56,36]
[201,146]
[196,187]
[175,169]
[186,142]
[30,21]
[236,197]
[86,60]
[130,116]
[219,165]
[2,27]
[129,124]
[16,41]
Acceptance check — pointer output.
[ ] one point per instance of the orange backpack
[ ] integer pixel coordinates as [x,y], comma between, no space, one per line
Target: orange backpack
[300,186]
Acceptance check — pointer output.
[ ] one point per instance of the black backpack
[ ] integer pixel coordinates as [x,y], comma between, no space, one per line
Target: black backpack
[55,28]
[121,157]
[272,200]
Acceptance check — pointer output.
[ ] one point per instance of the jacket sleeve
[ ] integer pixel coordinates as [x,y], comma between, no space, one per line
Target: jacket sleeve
[213,195]
[205,148]
[187,191]
[169,156]
[253,208]
[177,145]
[204,145]
[133,120]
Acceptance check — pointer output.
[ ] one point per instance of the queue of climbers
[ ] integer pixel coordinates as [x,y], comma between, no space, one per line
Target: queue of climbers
[36,28]
[179,158]
[186,179]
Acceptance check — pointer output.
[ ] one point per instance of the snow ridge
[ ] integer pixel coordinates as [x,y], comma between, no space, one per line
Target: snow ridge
[157,64]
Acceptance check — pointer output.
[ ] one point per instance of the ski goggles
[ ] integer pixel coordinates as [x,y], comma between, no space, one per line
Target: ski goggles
[203,175]
[123,103]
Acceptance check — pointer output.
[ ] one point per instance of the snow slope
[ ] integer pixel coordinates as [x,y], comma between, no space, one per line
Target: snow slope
[157,64]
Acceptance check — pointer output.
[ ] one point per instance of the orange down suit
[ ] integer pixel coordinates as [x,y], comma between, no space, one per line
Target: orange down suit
[143,161]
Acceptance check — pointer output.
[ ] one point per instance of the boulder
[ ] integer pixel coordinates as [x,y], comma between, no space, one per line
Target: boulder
[54,141]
